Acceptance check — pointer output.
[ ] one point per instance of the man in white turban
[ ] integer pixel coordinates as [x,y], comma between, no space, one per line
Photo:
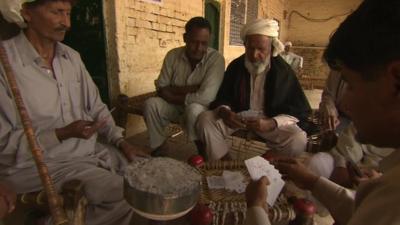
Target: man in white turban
[66,111]
[259,93]
[294,60]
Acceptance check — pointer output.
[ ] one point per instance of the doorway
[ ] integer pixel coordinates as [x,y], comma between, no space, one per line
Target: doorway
[87,37]
[212,14]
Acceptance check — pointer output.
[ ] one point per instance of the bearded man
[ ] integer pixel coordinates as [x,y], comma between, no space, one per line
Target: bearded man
[260,93]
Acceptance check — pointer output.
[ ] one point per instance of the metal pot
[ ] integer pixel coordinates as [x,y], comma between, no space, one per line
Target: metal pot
[158,207]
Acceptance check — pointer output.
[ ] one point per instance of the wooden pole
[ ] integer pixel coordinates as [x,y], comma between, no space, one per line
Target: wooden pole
[54,200]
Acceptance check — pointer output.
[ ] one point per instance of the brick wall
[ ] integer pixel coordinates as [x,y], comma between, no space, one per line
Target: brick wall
[139,34]
[314,65]
[316,33]
[151,30]
[311,37]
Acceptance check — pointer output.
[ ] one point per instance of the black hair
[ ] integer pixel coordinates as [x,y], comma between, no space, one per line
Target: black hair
[197,22]
[367,39]
[40,2]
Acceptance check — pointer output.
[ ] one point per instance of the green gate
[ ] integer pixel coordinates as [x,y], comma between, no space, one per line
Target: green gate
[212,11]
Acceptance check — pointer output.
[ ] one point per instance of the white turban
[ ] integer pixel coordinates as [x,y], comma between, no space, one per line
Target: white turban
[288,43]
[267,27]
[11,11]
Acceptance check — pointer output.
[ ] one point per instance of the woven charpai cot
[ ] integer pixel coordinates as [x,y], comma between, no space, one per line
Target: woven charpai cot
[229,207]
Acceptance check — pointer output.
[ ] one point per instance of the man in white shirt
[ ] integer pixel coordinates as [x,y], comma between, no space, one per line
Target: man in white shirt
[188,82]
[294,60]
[67,115]
[366,50]
[332,116]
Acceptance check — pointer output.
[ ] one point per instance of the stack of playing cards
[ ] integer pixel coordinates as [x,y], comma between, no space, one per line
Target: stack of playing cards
[259,167]
[231,181]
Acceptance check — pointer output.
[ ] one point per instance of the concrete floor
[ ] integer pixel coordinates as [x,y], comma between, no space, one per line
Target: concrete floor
[181,149]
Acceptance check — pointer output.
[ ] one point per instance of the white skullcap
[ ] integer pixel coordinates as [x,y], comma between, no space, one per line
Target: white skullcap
[267,27]
[11,11]
[288,43]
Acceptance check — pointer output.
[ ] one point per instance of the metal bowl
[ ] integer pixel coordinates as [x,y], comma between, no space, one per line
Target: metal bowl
[158,207]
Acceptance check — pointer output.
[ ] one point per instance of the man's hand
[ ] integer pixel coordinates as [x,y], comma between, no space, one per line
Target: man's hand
[8,199]
[230,118]
[185,89]
[131,151]
[256,193]
[80,129]
[367,175]
[329,120]
[261,125]
[297,172]
[340,175]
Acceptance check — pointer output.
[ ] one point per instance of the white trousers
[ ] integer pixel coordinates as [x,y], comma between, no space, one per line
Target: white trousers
[289,140]
[102,182]
[158,114]
[322,164]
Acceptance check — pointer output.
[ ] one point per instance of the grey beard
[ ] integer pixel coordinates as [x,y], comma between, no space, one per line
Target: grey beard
[256,67]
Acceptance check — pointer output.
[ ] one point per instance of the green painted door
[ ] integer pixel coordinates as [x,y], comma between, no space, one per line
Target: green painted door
[212,11]
[87,37]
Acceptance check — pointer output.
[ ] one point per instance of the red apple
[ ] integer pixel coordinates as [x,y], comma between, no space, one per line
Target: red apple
[304,206]
[201,215]
[196,160]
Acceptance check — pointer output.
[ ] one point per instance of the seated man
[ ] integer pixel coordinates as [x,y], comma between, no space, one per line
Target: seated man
[188,82]
[366,50]
[332,116]
[67,114]
[333,164]
[261,93]
[294,60]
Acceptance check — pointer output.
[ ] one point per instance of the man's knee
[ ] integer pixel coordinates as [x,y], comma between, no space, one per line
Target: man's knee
[322,164]
[152,105]
[107,190]
[205,120]
[298,143]
[194,110]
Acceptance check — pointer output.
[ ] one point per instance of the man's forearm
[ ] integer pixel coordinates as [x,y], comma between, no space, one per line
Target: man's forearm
[170,97]
[184,90]
[176,95]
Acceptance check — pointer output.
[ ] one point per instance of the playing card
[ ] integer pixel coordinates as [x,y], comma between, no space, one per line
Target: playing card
[259,167]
